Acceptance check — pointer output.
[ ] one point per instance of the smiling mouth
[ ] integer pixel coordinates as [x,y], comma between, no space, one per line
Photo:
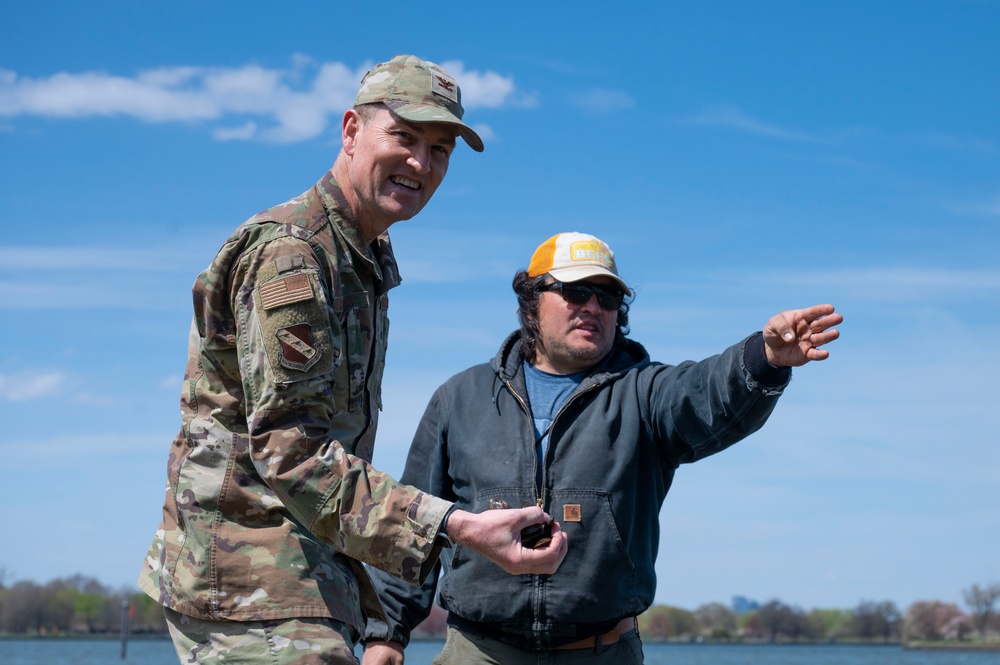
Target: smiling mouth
[405,182]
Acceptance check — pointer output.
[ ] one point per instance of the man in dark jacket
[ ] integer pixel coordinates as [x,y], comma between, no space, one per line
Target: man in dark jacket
[574,417]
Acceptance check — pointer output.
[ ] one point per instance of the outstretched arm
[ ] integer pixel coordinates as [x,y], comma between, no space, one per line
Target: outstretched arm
[794,337]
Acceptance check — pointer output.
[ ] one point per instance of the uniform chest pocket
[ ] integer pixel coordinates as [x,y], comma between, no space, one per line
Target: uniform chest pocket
[359,335]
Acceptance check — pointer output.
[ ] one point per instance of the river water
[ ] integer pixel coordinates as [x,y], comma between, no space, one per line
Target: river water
[161,652]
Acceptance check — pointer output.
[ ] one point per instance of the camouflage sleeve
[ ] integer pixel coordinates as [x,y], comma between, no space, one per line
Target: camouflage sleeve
[303,431]
[426,467]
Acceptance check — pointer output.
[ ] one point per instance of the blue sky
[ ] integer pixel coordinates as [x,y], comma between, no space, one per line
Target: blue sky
[740,158]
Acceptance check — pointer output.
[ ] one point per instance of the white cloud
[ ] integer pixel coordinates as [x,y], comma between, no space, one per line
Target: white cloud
[876,284]
[99,94]
[485,132]
[433,257]
[978,209]
[171,382]
[485,89]
[244,132]
[895,283]
[601,100]
[247,103]
[28,384]
[59,259]
[74,294]
[71,448]
[78,277]
[954,143]
[734,118]
[731,117]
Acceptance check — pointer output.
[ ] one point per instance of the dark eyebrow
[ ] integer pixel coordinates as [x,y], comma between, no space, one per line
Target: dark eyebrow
[416,127]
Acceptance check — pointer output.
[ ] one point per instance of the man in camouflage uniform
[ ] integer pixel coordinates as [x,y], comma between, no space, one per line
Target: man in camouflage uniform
[575,415]
[271,502]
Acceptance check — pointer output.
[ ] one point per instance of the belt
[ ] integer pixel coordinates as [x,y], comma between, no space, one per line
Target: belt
[594,641]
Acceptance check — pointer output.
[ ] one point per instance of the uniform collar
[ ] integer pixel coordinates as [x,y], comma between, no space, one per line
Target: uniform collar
[377,256]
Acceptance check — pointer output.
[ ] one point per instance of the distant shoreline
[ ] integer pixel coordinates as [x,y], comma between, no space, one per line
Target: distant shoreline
[951,646]
[906,646]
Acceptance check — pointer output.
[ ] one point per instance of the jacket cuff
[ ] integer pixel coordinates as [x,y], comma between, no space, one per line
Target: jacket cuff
[427,515]
[379,631]
[755,362]
[443,539]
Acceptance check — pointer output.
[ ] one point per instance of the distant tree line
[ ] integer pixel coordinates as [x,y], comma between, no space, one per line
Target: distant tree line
[75,605]
[81,605]
[868,622]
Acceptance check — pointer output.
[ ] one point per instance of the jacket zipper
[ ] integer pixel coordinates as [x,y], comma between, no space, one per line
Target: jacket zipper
[540,501]
[534,455]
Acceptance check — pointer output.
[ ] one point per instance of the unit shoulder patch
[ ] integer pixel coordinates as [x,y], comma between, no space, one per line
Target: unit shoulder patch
[295,327]
[298,350]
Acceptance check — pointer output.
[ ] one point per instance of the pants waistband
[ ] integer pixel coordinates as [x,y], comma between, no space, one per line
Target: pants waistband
[624,626]
[581,636]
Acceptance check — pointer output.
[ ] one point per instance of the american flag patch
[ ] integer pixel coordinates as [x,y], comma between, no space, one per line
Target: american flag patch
[284,291]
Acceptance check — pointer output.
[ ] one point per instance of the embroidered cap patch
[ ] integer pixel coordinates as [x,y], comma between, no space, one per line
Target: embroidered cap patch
[444,85]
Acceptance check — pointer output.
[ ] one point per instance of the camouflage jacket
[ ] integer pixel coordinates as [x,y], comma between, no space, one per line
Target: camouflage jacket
[271,502]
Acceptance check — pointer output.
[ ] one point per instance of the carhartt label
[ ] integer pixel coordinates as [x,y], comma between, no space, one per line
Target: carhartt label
[284,291]
[571,512]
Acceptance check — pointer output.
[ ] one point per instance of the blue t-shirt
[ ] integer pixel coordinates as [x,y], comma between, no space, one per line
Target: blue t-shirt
[546,395]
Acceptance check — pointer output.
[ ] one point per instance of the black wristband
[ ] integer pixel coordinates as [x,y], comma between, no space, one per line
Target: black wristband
[443,539]
[755,360]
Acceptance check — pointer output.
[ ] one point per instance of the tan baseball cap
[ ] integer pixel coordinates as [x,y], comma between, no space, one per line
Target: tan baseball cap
[570,257]
[418,91]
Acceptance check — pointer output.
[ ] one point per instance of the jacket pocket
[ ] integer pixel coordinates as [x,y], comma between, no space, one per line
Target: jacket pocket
[478,589]
[597,580]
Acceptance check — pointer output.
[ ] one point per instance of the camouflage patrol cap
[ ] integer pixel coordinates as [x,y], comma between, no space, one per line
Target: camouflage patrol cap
[418,91]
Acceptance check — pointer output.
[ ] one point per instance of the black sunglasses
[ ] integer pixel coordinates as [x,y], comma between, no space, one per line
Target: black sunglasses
[579,293]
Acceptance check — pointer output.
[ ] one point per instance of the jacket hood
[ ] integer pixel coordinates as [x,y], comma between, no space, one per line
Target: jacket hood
[621,358]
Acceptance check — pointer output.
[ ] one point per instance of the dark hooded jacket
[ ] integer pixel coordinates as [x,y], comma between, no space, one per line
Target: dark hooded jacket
[613,449]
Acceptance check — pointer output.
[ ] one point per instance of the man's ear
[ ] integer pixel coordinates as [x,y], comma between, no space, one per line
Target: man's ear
[349,128]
